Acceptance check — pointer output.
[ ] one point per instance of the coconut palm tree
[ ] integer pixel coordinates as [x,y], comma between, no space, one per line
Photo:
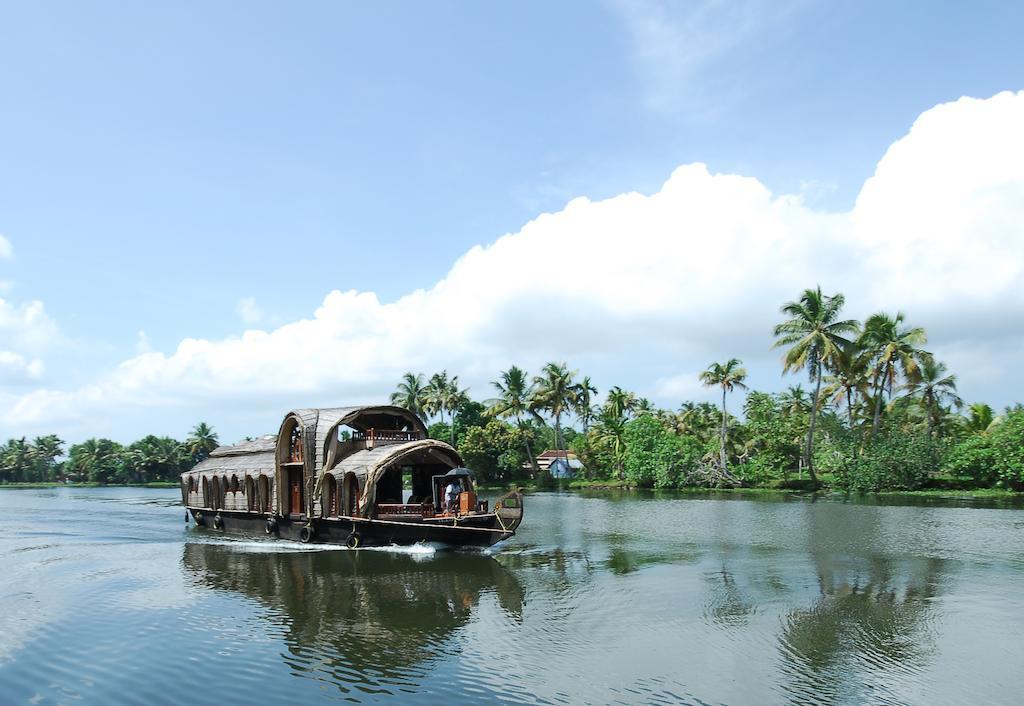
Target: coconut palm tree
[554,393]
[434,394]
[815,334]
[513,400]
[893,348]
[583,402]
[981,419]
[936,389]
[410,394]
[793,401]
[451,399]
[611,432]
[850,380]
[201,442]
[728,376]
[622,403]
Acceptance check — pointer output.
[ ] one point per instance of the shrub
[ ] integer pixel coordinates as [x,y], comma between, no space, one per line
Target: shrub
[896,460]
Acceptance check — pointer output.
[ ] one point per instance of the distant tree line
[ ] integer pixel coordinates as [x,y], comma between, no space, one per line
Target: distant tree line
[150,459]
[881,413]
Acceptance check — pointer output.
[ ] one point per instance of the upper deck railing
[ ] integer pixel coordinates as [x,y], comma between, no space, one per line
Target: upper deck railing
[380,437]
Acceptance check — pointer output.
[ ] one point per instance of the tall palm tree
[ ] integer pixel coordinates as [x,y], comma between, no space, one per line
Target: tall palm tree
[893,348]
[849,380]
[434,394]
[622,403]
[728,376]
[611,432]
[451,399]
[513,400]
[935,388]
[410,393]
[554,393]
[583,402]
[815,334]
[201,442]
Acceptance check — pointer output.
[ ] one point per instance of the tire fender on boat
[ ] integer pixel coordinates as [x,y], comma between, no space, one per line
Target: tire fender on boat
[218,522]
[271,527]
[353,541]
[199,519]
[306,534]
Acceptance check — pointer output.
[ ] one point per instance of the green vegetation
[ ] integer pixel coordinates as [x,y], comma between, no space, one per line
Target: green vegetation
[883,415]
[152,460]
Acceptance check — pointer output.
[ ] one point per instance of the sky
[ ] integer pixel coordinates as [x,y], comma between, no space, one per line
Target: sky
[223,211]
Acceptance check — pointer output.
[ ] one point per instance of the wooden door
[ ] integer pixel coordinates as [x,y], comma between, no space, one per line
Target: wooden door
[295,491]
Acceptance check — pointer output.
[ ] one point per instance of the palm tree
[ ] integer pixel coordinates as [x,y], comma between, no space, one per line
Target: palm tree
[793,401]
[611,432]
[554,393]
[434,394]
[451,399]
[728,376]
[981,419]
[513,400]
[583,402]
[849,380]
[936,388]
[410,394]
[892,347]
[201,442]
[815,334]
[622,403]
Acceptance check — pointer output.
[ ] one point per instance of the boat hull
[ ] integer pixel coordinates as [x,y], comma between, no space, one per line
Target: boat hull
[475,531]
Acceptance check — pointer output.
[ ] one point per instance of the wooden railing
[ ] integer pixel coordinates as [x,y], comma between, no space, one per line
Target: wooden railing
[380,437]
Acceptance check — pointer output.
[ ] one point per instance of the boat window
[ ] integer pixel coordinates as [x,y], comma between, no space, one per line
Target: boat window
[250,493]
[234,484]
[263,486]
[295,445]
[215,493]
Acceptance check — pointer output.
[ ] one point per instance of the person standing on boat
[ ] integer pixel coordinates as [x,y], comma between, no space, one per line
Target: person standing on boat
[451,494]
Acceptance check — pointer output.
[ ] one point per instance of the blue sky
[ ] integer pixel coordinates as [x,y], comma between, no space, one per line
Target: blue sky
[194,170]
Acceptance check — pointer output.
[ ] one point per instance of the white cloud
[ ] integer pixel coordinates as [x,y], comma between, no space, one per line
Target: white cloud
[249,311]
[16,369]
[6,252]
[638,287]
[25,326]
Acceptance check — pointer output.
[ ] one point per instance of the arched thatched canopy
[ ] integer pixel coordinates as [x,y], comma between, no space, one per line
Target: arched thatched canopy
[250,458]
[325,422]
[369,465]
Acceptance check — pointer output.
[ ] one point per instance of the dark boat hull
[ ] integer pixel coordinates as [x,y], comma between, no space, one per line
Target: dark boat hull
[474,531]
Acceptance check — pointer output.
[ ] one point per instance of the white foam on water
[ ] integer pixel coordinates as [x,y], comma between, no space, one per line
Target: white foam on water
[271,546]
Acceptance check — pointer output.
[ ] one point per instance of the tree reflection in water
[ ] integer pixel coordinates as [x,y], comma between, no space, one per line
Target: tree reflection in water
[873,615]
[368,620]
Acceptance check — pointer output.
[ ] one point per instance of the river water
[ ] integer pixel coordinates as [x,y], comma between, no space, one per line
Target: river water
[107,597]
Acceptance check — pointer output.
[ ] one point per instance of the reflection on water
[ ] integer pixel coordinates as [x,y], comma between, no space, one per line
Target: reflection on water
[376,619]
[600,599]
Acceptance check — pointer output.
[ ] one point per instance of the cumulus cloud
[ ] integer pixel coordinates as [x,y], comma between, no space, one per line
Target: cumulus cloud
[25,326]
[639,287]
[15,369]
[6,252]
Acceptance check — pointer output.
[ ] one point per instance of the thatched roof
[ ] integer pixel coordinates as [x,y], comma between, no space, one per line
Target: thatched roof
[326,421]
[370,464]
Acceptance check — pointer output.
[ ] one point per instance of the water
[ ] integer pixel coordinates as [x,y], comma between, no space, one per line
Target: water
[107,597]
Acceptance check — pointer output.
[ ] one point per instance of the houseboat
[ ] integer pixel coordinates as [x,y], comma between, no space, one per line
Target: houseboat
[339,475]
